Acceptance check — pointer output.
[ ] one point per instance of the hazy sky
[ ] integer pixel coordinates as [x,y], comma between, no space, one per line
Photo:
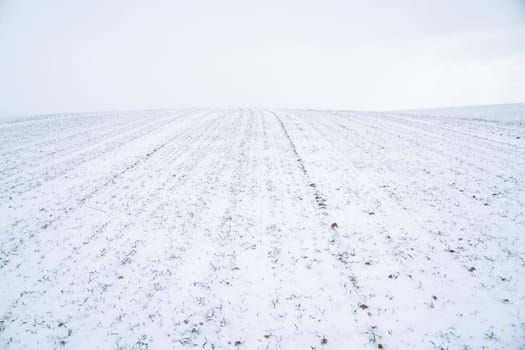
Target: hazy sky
[58,56]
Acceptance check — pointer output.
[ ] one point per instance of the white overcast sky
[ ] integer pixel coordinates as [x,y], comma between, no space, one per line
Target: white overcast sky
[59,56]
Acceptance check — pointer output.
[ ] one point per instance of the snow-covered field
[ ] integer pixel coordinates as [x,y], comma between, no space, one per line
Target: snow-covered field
[512,113]
[260,229]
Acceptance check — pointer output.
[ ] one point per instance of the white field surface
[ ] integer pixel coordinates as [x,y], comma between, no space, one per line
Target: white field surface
[212,229]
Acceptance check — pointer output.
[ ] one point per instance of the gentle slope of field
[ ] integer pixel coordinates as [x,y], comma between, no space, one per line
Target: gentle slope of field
[262,229]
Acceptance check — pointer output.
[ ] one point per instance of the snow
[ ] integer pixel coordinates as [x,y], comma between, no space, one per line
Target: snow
[512,113]
[263,229]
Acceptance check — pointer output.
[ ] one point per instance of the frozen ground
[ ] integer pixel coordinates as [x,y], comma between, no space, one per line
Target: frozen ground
[258,229]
